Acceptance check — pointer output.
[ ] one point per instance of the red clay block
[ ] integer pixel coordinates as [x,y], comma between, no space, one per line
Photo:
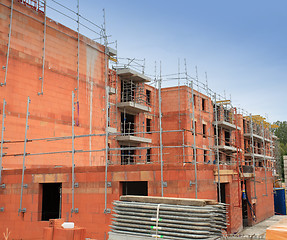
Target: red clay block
[48,233]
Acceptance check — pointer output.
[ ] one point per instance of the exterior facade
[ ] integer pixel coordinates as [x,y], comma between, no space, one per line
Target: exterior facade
[84,132]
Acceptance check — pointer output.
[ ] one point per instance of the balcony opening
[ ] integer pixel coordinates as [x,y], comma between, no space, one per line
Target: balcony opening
[194,128]
[244,126]
[228,159]
[128,90]
[203,104]
[259,148]
[127,156]
[227,138]
[148,96]
[217,135]
[204,130]
[148,125]
[51,200]
[139,188]
[109,117]
[148,155]
[127,124]
[109,153]
[205,156]
[194,101]
[227,115]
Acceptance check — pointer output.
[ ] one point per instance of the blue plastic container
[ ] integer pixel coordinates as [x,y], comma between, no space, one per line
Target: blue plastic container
[279,201]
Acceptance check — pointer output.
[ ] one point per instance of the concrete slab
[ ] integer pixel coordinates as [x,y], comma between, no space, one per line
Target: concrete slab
[254,136]
[130,140]
[133,107]
[130,74]
[227,125]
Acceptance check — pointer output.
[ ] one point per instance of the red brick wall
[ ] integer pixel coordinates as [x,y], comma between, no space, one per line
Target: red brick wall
[264,205]
[50,114]
[89,197]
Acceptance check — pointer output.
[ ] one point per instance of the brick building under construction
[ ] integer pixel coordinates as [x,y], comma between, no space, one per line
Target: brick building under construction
[85,129]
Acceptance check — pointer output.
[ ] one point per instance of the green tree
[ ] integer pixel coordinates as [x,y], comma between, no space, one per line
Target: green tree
[281,133]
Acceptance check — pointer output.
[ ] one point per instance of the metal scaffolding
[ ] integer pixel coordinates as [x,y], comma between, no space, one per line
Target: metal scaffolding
[203,110]
[8,46]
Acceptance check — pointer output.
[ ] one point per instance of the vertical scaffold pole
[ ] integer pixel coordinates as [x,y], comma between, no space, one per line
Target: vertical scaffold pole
[73,210]
[78,50]
[210,118]
[160,128]
[217,150]
[44,52]
[106,210]
[193,131]
[253,158]
[264,152]
[2,138]
[194,139]
[8,47]
[24,156]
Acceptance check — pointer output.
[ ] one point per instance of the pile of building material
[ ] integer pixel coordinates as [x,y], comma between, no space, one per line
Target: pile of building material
[138,217]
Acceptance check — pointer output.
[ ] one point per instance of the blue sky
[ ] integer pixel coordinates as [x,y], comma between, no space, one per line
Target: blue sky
[242,45]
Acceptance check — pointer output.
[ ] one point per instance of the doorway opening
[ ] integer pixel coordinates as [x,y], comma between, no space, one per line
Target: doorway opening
[127,156]
[244,206]
[51,201]
[222,192]
[127,124]
[139,188]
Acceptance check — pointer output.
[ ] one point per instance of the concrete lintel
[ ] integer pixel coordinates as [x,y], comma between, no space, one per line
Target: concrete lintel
[133,107]
[129,74]
[130,139]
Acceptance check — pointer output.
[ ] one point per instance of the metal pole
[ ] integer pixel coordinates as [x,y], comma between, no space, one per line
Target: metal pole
[253,158]
[78,50]
[44,52]
[73,153]
[8,48]
[24,155]
[106,210]
[264,152]
[193,130]
[2,138]
[217,151]
[160,129]
[194,139]
[183,146]
[210,118]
